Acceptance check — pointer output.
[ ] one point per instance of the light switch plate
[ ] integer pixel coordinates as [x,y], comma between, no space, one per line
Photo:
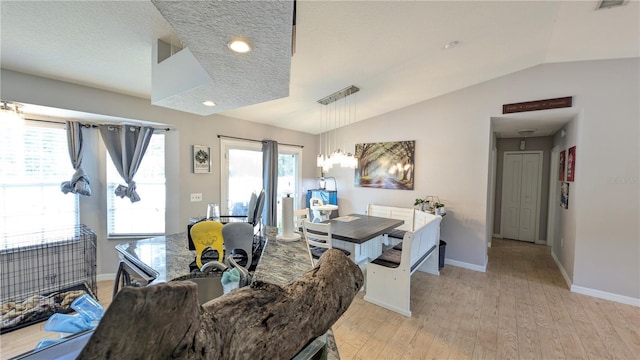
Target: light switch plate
[196,197]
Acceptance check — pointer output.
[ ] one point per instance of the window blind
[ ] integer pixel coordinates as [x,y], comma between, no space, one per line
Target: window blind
[34,160]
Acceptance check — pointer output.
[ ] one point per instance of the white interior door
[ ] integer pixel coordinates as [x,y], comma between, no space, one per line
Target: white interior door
[520,195]
[511,182]
[529,197]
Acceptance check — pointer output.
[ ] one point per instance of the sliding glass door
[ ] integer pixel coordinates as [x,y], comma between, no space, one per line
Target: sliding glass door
[241,174]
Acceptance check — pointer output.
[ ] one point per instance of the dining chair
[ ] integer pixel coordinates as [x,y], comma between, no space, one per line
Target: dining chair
[318,238]
[299,217]
[313,202]
[239,236]
[254,211]
[207,234]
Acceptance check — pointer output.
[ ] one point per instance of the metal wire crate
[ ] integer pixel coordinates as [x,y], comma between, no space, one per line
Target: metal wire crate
[42,273]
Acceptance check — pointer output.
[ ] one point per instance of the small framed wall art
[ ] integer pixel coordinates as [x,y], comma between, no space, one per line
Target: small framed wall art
[564,195]
[571,163]
[201,159]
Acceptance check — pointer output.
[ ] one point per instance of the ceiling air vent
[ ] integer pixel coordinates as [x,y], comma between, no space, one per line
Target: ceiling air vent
[607,4]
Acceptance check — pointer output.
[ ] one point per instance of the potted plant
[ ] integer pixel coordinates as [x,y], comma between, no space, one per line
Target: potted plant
[439,208]
[422,204]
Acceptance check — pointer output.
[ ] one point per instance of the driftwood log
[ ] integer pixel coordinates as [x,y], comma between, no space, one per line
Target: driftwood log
[262,321]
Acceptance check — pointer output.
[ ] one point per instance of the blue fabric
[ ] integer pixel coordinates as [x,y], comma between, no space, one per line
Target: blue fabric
[231,276]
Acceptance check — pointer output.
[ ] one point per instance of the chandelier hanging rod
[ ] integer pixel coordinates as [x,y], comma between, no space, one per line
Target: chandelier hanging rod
[339,95]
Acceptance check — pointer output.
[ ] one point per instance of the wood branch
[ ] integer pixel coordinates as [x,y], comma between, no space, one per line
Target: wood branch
[263,321]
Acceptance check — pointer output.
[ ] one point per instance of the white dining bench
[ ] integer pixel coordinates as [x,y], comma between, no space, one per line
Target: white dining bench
[393,212]
[388,278]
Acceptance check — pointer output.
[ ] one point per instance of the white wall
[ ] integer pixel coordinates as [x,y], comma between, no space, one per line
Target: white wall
[564,243]
[452,133]
[186,130]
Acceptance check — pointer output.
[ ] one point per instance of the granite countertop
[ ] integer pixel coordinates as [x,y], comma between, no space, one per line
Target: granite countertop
[168,257]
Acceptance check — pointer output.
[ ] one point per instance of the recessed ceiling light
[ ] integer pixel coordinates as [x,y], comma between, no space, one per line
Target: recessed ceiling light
[451,44]
[208,103]
[239,46]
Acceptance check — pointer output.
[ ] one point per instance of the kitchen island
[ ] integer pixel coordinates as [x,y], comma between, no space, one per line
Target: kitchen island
[168,257]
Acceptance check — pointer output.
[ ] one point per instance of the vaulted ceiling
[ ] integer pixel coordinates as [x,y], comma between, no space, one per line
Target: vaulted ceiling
[392,50]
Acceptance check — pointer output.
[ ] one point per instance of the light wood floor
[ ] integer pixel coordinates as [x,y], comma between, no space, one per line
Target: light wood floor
[22,340]
[520,308]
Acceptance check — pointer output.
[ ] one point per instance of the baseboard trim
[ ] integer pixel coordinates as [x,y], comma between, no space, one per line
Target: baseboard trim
[605,295]
[562,271]
[593,292]
[541,242]
[104,277]
[465,265]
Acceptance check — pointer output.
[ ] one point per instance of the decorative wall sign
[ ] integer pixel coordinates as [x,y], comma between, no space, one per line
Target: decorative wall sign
[386,165]
[201,159]
[564,195]
[562,159]
[537,105]
[571,164]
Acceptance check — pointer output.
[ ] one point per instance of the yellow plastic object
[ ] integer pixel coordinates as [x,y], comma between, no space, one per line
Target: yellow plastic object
[207,234]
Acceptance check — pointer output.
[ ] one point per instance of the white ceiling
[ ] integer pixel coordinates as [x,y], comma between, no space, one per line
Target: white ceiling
[392,50]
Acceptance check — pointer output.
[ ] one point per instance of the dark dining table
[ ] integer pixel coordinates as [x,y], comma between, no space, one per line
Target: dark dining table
[361,234]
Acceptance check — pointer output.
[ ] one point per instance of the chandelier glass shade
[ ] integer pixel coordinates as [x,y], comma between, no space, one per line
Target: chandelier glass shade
[336,111]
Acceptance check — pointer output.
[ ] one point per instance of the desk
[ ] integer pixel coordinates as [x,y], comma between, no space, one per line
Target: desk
[322,212]
[361,234]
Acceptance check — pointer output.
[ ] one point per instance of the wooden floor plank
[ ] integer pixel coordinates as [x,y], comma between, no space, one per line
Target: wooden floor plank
[482,353]
[528,343]
[442,344]
[400,340]
[571,344]
[422,341]
[550,344]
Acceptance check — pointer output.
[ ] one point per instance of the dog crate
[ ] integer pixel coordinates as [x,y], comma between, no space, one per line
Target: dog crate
[42,273]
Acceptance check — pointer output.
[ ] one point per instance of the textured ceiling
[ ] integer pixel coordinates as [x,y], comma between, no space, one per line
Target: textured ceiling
[237,80]
[392,50]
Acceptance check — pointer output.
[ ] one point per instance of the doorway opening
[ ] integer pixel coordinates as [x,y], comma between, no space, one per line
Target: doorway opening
[241,174]
[507,136]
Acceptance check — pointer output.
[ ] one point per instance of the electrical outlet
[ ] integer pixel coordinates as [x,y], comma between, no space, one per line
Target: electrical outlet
[196,197]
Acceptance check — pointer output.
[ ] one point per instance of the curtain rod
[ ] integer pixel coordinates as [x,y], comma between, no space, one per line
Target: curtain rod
[239,138]
[85,125]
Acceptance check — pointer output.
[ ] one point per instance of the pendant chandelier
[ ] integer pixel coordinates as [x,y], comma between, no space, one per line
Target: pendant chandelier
[337,110]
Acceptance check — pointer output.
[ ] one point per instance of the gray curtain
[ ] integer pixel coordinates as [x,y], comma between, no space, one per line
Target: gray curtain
[126,145]
[270,181]
[79,183]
